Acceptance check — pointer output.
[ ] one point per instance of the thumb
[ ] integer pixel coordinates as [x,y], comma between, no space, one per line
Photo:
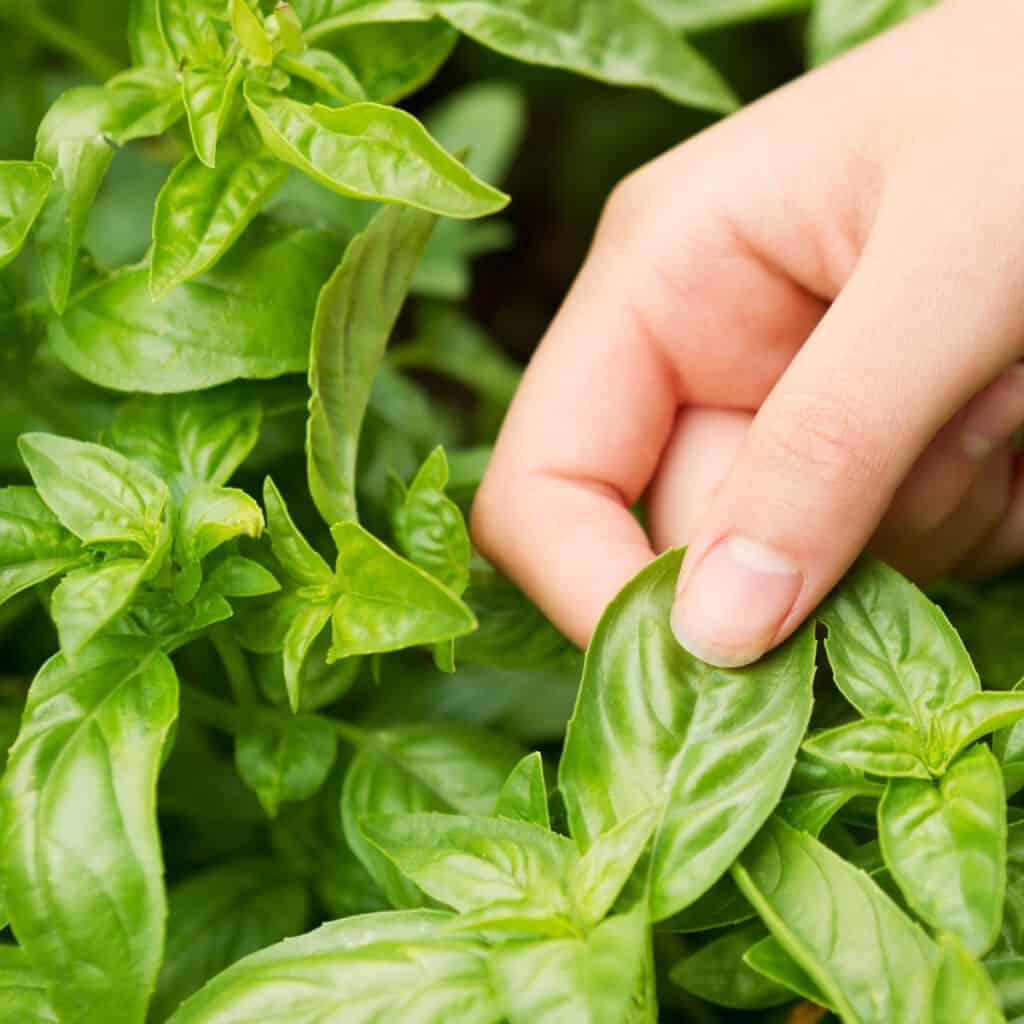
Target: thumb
[897,354]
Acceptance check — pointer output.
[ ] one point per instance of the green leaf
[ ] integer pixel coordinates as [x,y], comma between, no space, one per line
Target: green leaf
[189,439]
[145,37]
[963,991]
[23,991]
[480,864]
[200,212]
[1007,975]
[24,185]
[839,25]
[1008,746]
[429,767]
[382,967]
[622,45]
[771,960]
[318,684]
[89,598]
[307,625]
[807,896]
[33,545]
[719,973]
[236,576]
[84,769]
[945,844]
[429,526]
[211,516]
[355,314]
[209,93]
[721,906]
[386,603]
[248,28]
[585,981]
[370,151]
[326,72]
[701,15]
[656,728]
[98,494]
[978,715]
[284,759]
[524,795]
[818,790]
[292,550]
[220,915]
[191,28]
[889,747]
[893,652]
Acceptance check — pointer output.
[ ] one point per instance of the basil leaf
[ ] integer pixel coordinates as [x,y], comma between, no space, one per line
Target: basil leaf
[284,759]
[480,864]
[431,767]
[1008,746]
[189,439]
[236,576]
[1011,938]
[201,212]
[719,973]
[338,969]
[84,768]
[721,906]
[386,603]
[701,15]
[890,747]
[1007,974]
[429,526]
[307,625]
[839,25]
[209,93]
[622,45]
[355,314]
[945,844]
[23,991]
[807,895]
[354,151]
[978,715]
[769,959]
[33,545]
[328,73]
[656,728]
[211,516]
[318,684]
[145,37]
[191,28]
[818,790]
[98,494]
[586,981]
[247,25]
[220,915]
[893,652]
[524,795]
[89,598]
[24,185]
[207,331]
[963,991]
[292,550]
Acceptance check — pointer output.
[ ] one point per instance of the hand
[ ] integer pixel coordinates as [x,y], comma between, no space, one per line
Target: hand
[797,335]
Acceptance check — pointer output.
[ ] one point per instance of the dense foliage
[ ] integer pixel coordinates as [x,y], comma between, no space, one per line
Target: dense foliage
[300,754]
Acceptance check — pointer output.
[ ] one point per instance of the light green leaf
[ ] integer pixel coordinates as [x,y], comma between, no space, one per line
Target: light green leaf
[23,993]
[236,576]
[292,550]
[945,844]
[209,92]
[386,603]
[722,906]
[719,973]
[429,526]
[284,759]
[1008,746]
[656,728]
[145,37]
[819,789]
[355,314]
[220,915]
[98,494]
[893,652]
[963,991]
[84,769]
[807,896]
[307,625]
[192,28]
[248,28]
[622,44]
[33,545]
[328,73]
[476,864]
[524,795]
[370,151]
[771,960]
[24,185]
[90,598]
[211,516]
[318,684]
[701,15]
[585,981]
[201,212]
[382,967]
[189,439]
[430,767]
[890,747]
[839,25]
[247,317]
[978,715]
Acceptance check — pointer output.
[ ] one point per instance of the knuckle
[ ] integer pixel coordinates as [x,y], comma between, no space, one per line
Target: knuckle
[627,210]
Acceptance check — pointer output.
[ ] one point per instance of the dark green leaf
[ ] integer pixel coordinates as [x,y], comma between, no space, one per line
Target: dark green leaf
[656,728]
[84,769]
[818,790]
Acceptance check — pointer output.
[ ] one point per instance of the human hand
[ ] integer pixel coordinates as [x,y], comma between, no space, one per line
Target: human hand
[798,335]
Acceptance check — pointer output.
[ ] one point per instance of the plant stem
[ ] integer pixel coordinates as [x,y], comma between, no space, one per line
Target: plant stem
[59,37]
[210,710]
[351,734]
[235,665]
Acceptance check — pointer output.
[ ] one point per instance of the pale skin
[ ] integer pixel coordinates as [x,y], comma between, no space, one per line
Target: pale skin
[796,336]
